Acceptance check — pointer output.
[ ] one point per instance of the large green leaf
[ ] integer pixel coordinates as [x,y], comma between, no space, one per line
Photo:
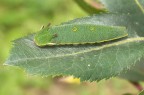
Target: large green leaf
[124,6]
[93,62]
[89,62]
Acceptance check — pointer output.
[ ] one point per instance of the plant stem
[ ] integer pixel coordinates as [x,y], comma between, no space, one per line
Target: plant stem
[137,85]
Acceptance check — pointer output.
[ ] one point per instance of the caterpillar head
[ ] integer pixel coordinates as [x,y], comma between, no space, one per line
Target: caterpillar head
[44,37]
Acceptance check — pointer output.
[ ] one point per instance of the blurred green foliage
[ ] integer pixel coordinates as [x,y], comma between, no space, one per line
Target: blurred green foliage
[19,18]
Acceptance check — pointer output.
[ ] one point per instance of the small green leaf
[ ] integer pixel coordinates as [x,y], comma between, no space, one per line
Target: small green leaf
[141,93]
[90,9]
[136,73]
[127,94]
[124,6]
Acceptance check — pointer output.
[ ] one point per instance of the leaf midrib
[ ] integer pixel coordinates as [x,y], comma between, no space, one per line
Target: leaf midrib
[129,40]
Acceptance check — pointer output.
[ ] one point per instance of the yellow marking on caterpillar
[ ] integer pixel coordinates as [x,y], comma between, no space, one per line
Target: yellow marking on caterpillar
[92,28]
[74,29]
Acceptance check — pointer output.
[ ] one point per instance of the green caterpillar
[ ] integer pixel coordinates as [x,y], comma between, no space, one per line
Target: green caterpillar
[78,34]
